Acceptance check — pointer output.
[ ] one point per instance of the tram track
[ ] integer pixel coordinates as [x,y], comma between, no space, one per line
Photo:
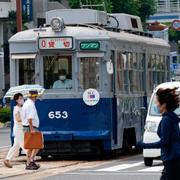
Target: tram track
[52,166]
[49,167]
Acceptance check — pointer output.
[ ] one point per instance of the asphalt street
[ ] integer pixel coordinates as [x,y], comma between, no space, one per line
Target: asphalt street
[124,167]
[130,168]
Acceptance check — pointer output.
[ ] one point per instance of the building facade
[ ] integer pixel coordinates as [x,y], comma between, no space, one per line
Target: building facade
[167,11]
[5,7]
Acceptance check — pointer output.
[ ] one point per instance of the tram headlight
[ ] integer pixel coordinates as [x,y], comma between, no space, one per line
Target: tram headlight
[57,24]
[151,126]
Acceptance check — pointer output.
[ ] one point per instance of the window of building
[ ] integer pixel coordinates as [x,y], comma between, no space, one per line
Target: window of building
[58,72]
[89,73]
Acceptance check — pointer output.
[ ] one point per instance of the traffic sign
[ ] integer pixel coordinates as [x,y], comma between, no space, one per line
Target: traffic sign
[176,25]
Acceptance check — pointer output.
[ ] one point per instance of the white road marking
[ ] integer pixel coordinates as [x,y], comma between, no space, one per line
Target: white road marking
[120,167]
[152,169]
[2,147]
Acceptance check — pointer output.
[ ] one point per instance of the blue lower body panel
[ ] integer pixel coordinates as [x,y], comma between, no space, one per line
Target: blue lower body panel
[76,135]
[67,123]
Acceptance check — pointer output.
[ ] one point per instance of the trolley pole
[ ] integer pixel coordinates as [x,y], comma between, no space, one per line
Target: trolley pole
[19,15]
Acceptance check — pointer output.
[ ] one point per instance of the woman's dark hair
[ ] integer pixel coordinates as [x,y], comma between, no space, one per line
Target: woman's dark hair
[170,97]
[16,96]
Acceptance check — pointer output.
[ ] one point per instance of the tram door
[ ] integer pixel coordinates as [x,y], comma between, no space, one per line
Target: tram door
[114,100]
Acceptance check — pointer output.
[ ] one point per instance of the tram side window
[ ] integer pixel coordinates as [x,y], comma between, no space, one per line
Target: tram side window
[160,69]
[89,73]
[157,69]
[122,72]
[57,72]
[26,71]
[141,67]
[133,72]
[151,72]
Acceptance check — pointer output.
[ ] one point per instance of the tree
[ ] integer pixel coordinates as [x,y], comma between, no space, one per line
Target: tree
[12,21]
[128,6]
[142,8]
[76,4]
[147,8]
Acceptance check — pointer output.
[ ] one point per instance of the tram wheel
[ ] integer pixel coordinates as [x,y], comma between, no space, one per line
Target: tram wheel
[148,161]
[44,157]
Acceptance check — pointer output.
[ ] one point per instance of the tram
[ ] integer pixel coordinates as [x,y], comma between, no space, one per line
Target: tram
[98,71]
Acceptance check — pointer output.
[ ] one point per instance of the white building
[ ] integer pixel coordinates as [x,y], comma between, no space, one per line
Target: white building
[167,11]
[40,7]
[5,7]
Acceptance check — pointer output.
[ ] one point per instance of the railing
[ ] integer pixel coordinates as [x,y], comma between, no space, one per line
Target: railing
[168,6]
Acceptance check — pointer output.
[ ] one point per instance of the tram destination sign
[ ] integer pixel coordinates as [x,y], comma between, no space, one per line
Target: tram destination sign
[55,43]
[91,45]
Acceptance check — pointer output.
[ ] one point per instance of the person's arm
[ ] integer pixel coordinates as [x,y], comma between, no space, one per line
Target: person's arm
[30,117]
[164,141]
[18,117]
[31,125]
[54,85]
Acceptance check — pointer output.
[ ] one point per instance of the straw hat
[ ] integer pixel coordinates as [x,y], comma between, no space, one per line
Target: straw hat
[33,93]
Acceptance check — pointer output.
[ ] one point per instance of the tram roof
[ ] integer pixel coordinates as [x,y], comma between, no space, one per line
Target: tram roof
[85,33]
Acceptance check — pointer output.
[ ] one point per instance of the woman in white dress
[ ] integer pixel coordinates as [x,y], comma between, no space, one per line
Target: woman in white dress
[17,130]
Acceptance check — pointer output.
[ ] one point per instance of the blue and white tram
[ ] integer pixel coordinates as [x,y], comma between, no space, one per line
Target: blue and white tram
[109,77]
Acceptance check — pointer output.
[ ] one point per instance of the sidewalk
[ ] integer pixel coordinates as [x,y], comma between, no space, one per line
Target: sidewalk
[18,171]
[5,125]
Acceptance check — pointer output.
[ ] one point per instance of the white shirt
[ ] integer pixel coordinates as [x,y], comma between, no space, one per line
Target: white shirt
[67,84]
[17,109]
[29,112]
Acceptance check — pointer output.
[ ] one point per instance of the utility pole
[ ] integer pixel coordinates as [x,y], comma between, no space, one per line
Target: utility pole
[19,15]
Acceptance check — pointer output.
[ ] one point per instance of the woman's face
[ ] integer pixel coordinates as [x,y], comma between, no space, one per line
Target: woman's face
[20,100]
[161,107]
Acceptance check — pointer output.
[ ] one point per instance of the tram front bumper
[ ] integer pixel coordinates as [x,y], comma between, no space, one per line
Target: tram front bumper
[75,135]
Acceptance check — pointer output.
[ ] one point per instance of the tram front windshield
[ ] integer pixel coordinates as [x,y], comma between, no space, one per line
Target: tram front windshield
[58,72]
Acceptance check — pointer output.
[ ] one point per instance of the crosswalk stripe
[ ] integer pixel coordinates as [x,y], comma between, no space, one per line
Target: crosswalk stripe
[120,167]
[152,169]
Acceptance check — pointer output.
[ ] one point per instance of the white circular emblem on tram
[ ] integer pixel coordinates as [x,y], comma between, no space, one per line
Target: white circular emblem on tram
[91,97]
[57,24]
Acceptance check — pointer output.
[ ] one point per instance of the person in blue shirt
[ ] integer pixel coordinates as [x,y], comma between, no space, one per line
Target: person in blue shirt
[62,82]
[167,101]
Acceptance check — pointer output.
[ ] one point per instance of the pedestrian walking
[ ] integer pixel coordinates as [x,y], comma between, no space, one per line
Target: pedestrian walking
[31,124]
[167,101]
[17,131]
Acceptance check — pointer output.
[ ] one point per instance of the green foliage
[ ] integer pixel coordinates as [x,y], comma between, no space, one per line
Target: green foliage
[174,36]
[76,4]
[128,6]
[12,21]
[147,8]
[142,8]
[4,114]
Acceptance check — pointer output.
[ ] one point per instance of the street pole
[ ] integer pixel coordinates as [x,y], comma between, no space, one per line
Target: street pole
[19,15]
